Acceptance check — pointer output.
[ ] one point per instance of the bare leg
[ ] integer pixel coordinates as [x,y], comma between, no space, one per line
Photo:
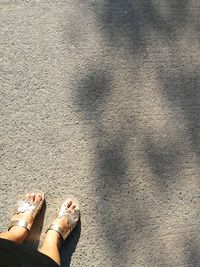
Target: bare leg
[50,246]
[17,233]
[52,240]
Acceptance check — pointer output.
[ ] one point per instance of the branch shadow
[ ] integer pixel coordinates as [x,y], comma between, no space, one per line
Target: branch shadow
[111,163]
[130,24]
[93,90]
[122,24]
[192,252]
[175,19]
[182,89]
[163,162]
[111,167]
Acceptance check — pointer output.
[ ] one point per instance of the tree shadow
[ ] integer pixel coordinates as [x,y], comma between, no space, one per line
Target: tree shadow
[192,253]
[182,89]
[111,163]
[93,90]
[175,17]
[122,25]
[129,24]
[163,162]
[111,167]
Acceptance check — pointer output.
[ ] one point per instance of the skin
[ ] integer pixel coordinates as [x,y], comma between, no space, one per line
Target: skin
[52,239]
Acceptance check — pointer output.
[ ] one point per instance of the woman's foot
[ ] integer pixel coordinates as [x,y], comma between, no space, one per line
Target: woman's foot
[61,228]
[22,220]
[64,222]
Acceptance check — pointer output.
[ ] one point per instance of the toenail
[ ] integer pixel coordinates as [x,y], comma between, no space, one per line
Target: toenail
[69,203]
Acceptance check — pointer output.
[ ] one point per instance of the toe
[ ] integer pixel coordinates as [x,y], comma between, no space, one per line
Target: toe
[69,204]
[72,207]
[38,197]
[32,197]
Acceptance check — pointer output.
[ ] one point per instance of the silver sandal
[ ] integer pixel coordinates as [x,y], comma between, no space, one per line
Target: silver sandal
[72,217]
[25,205]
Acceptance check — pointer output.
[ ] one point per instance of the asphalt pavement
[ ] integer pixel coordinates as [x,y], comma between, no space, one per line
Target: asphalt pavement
[101,98]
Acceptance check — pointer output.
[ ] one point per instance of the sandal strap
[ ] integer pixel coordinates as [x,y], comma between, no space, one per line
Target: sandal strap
[33,208]
[24,205]
[21,223]
[60,231]
[71,217]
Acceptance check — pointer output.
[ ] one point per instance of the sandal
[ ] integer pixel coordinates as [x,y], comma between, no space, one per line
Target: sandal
[24,205]
[72,217]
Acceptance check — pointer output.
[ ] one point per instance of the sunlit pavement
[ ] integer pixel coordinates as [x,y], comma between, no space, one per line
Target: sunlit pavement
[102,99]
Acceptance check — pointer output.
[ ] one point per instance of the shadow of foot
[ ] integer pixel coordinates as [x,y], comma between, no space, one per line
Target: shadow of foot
[69,246]
[33,238]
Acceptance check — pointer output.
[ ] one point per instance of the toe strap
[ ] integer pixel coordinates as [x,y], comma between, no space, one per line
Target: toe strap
[72,218]
[21,223]
[25,205]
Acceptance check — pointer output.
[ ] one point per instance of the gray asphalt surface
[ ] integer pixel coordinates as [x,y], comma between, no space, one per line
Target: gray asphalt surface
[102,99]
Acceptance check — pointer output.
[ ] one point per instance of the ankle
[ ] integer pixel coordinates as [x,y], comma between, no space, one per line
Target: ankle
[53,238]
[18,233]
[15,234]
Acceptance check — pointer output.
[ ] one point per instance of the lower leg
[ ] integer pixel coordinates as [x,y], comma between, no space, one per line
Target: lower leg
[16,234]
[50,246]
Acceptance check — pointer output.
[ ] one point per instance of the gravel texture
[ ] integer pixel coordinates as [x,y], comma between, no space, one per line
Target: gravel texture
[101,98]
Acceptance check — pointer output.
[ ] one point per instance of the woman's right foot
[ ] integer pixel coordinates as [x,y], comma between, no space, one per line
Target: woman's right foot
[27,209]
[26,215]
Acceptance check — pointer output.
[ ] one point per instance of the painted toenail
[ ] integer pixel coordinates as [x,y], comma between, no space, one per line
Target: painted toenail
[70,202]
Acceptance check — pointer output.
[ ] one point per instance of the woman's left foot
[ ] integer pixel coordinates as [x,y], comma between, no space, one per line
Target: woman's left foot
[67,219]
